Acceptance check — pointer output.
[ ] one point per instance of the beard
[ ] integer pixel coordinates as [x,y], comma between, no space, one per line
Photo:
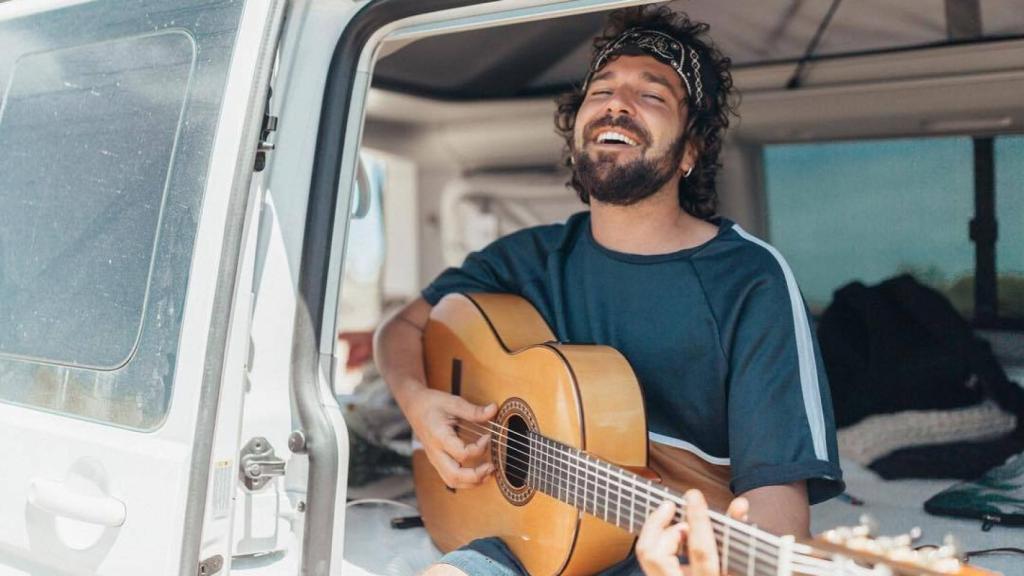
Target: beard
[602,178]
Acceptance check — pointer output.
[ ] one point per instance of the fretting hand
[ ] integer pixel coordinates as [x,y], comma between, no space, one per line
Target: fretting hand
[660,541]
[434,416]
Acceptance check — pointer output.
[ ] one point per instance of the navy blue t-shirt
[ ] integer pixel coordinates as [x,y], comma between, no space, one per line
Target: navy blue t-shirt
[717,335]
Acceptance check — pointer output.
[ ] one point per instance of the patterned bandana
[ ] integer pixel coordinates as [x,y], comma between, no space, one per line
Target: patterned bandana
[663,48]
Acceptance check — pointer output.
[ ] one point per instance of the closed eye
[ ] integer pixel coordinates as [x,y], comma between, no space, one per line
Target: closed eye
[654,97]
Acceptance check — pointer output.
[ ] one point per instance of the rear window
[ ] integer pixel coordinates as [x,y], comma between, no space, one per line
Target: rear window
[868,210]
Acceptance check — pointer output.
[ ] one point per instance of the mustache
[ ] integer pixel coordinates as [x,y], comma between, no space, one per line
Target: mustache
[624,122]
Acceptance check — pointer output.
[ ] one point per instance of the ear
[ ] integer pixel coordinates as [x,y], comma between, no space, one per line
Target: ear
[690,156]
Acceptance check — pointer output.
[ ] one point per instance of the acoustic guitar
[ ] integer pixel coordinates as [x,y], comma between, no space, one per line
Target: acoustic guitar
[575,476]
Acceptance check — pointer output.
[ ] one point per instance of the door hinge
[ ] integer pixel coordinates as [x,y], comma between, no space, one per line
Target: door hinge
[210,566]
[258,464]
[264,146]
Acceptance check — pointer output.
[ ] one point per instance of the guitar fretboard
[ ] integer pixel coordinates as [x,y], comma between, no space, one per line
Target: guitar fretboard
[625,499]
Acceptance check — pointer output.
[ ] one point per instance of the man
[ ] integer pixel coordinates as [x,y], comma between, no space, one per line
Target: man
[708,316]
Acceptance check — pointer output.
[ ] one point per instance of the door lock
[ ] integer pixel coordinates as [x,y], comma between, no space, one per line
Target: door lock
[258,464]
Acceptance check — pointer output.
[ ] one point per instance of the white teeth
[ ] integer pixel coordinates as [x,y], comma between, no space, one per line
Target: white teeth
[612,136]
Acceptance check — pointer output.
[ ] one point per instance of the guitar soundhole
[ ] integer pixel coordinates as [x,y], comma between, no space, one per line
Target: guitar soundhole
[512,456]
[518,452]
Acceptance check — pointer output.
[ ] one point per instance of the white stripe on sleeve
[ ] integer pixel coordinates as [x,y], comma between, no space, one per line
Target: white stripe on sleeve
[804,350]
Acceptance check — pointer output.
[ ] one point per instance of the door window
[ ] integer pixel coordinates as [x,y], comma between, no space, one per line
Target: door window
[106,135]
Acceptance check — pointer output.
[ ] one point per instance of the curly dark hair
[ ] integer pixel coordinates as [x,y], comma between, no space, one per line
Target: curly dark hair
[706,124]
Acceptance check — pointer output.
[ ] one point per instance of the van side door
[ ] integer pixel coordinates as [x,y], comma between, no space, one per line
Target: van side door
[128,130]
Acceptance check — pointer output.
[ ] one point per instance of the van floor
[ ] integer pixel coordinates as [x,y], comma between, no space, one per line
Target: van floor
[373,547]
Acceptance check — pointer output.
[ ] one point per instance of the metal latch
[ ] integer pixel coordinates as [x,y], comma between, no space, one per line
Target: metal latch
[259,464]
[264,146]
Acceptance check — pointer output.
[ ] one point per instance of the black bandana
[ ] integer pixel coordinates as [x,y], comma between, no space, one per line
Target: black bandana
[663,48]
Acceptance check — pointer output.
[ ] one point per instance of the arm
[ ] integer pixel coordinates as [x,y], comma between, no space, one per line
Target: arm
[781,509]
[431,413]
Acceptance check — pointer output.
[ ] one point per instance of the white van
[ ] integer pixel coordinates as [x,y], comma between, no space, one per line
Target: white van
[179,214]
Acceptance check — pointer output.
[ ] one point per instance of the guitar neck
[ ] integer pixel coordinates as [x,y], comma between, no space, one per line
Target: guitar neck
[625,499]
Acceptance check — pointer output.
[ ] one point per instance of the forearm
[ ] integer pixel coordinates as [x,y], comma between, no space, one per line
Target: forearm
[398,351]
[781,509]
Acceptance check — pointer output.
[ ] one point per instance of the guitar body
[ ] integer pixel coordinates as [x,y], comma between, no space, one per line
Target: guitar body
[496,348]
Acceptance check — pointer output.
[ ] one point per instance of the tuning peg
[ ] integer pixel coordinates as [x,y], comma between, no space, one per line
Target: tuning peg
[909,538]
[868,526]
[950,547]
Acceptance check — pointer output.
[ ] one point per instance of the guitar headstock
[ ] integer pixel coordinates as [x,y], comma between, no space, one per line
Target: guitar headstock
[895,554]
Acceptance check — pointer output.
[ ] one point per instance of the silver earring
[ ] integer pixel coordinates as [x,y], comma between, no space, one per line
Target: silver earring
[688,172]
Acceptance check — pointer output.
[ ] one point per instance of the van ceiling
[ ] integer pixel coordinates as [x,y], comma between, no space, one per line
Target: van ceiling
[548,56]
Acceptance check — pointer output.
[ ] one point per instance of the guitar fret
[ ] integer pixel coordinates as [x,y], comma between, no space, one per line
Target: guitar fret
[563,472]
[619,500]
[548,480]
[725,548]
[632,508]
[605,505]
[546,451]
[785,564]
[576,484]
[588,501]
[586,484]
[647,498]
[545,479]
[751,557]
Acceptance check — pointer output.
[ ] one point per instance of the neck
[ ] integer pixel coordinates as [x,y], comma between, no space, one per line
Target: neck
[624,499]
[655,225]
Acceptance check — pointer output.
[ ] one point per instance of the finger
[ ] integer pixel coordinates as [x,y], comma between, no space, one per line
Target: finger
[738,509]
[700,540]
[673,539]
[460,408]
[650,533]
[479,447]
[457,476]
[451,444]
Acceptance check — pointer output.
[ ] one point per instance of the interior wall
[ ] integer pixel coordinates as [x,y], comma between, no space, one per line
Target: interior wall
[435,165]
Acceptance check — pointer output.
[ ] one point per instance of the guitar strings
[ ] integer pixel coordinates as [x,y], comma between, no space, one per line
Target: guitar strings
[742,548]
[739,550]
[631,478]
[739,547]
[800,558]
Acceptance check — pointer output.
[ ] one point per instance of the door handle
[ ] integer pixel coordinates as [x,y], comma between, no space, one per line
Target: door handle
[56,498]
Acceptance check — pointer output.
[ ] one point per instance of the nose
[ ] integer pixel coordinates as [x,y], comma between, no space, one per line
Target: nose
[621,102]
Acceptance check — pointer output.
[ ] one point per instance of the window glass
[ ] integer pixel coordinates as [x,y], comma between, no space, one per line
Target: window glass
[77,230]
[1009,159]
[106,139]
[868,210]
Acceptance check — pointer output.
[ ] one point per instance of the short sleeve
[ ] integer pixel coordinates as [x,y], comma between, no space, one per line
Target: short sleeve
[781,426]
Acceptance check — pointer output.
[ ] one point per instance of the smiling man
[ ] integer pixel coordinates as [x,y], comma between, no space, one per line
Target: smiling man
[708,316]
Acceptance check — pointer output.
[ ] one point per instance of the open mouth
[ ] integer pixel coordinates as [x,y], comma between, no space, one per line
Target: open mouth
[615,138]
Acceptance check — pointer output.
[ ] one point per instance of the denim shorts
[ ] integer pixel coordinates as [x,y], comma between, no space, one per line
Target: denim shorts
[491,557]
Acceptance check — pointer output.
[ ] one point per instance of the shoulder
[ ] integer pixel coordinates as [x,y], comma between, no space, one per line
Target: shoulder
[748,257]
[540,241]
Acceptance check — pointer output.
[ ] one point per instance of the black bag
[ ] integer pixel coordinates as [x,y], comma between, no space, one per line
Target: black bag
[900,346]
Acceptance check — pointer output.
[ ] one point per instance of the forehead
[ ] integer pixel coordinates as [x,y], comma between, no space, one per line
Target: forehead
[641,67]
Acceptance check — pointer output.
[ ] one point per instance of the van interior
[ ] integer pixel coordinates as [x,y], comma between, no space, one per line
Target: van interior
[874,139]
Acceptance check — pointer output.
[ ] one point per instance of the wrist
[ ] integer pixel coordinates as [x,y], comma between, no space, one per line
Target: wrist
[406,392]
